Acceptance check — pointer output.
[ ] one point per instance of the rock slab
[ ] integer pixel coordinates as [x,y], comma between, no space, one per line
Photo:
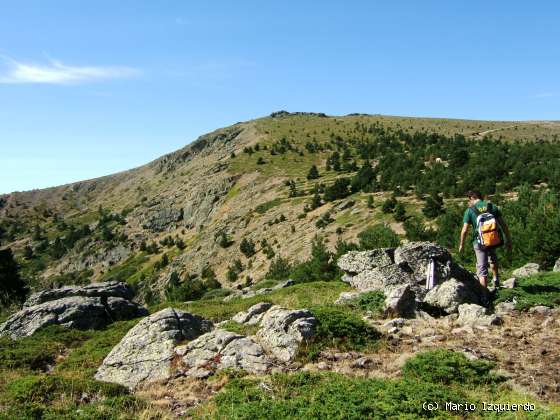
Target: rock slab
[92,306]
[145,352]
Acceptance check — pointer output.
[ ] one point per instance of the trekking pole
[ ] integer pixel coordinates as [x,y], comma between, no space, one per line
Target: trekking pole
[431,273]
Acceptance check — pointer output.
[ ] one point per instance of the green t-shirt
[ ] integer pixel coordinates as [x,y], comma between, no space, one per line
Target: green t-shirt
[482,206]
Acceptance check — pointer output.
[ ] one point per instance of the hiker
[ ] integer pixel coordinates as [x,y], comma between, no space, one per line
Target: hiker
[486,220]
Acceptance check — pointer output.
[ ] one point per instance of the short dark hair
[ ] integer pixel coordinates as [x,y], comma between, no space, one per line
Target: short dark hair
[474,194]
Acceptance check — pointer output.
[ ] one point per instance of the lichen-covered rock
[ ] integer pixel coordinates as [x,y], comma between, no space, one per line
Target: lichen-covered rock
[92,306]
[72,312]
[106,289]
[161,219]
[384,269]
[253,315]
[448,295]
[473,315]
[222,349]
[527,270]
[355,262]
[417,255]
[145,352]
[283,330]
[400,301]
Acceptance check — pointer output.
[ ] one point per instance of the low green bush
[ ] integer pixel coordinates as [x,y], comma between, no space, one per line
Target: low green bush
[373,302]
[326,396]
[340,329]
[443,366]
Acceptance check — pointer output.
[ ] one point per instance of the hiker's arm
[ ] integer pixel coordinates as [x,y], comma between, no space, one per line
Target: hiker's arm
[463,236]
[505,228]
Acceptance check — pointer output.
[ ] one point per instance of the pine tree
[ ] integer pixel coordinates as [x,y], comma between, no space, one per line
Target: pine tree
[433,207]
[12,287]
[399,213]
[247,247]
[313,173]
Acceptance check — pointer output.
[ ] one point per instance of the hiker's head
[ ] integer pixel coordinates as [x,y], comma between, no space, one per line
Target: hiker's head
[474,195]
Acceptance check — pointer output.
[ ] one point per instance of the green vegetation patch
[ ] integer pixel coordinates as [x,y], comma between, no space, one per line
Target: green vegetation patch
[340,329]
[373,302]
[307,395]
[90,354]
[542,289]
[238,328]
[41,349]
[443,366]
[264,207]
[128,271]
[304,295]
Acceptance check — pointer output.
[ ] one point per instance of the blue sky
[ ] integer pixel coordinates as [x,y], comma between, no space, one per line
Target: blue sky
[90,88]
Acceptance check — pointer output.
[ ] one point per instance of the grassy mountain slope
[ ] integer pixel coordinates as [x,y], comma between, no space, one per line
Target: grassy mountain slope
[233,183]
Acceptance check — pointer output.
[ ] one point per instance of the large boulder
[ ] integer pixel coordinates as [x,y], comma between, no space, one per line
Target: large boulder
[557,266]
[92,306]
[283,330]
[106,289]
[222,349]
[527,270]
[146,351]
[448,295]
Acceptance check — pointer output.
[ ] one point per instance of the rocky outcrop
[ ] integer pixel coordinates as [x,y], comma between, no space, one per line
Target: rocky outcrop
[106,289]
[222,349]
[527,270]
[92,306]
[161,219]
[152,350]
[146,351]
[448,295]
[385,269]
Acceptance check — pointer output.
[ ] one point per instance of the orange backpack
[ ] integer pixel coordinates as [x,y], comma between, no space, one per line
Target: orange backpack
[489,234]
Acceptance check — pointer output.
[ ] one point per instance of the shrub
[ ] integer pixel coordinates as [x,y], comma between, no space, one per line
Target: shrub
[378,236]
[416,230]
[446,367]
[320,266]
[338,328]
[369,301]
[247,247]
[279,269]
[389,205]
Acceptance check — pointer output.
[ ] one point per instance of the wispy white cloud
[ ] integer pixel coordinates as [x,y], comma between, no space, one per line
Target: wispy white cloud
[546,95]
[55,72]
